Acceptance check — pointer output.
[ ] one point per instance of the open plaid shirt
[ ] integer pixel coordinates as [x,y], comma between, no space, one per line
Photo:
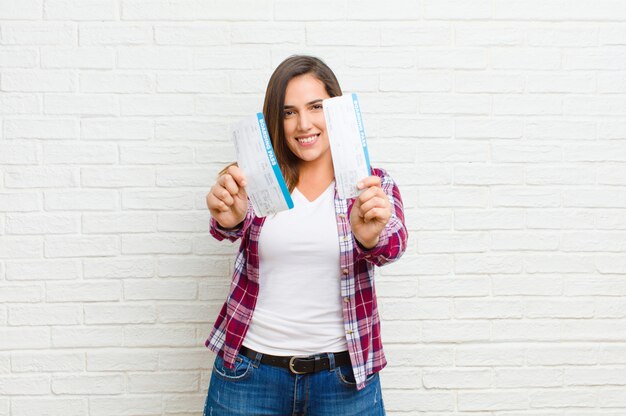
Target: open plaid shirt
[360,310]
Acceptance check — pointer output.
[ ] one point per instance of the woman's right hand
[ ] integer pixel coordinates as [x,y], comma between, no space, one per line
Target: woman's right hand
[227,200]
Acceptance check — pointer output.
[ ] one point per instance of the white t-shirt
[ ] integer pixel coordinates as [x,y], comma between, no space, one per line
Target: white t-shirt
[298,309]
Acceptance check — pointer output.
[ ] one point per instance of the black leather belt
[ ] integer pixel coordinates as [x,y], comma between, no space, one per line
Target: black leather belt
[298,364]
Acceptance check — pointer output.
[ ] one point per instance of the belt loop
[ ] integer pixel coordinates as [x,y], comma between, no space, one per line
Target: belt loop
[331,361]
[257,360]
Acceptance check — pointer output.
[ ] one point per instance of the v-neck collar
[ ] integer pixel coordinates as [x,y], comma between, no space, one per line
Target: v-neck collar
[306,200]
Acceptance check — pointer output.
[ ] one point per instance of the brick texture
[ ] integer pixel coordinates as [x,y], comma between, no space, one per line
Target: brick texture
[503,122]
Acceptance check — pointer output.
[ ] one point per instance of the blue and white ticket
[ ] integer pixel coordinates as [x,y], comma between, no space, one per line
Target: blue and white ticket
[266,187]
[348,146]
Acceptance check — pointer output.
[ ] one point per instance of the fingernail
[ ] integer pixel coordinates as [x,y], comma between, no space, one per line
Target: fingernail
[244,183]
[359,185]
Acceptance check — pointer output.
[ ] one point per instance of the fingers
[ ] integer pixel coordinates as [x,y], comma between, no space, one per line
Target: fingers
[377,213]
[228,183]
[369,182]
[215,203]
[237,174]
[372,188]
[376,207]
[373,203]
[221,195]
[228,193]
[370,193]
[221,192]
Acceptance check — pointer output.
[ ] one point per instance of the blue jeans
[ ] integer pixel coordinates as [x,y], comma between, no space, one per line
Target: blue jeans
[252,388]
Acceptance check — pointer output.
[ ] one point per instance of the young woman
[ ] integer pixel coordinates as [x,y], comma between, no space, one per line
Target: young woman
[300,332]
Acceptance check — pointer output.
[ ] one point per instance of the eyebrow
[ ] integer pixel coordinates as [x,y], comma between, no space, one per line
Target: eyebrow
[319,100]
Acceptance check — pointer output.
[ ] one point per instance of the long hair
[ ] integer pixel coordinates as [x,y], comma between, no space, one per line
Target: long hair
[288,69]
[291,67]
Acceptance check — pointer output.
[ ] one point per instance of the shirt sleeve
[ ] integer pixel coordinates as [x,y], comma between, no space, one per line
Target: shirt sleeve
[392,240]
[232,234]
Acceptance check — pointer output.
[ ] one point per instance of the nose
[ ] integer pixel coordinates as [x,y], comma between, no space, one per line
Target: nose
[304,122]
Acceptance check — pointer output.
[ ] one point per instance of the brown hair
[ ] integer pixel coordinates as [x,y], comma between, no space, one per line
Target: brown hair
[291,67]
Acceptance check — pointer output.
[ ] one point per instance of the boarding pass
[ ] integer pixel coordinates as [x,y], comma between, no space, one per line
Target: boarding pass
[348,146]
[266,187]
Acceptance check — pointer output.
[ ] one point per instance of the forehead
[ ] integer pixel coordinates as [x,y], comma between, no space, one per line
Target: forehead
[303,89]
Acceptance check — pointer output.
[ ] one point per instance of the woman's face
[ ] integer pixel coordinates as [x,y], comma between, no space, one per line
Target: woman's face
[304,123]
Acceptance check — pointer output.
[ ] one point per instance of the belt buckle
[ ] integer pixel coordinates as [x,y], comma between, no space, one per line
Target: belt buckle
[292,369]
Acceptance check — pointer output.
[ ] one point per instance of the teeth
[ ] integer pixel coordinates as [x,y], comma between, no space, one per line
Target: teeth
[307,139]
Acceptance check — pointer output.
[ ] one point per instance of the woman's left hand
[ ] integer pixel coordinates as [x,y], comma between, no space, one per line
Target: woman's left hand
[370,212]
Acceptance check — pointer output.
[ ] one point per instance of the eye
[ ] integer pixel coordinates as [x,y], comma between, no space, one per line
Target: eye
[288,113]
[317,106]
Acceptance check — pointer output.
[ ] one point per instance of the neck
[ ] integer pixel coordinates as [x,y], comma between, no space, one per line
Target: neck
[320,171]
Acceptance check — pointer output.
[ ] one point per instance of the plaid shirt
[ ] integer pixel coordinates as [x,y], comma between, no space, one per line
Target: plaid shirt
[360,310]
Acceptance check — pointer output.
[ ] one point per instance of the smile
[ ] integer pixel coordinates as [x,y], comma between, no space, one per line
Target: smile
[308,139]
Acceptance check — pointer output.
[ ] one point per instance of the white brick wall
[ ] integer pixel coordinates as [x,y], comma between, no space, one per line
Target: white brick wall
[503,121]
